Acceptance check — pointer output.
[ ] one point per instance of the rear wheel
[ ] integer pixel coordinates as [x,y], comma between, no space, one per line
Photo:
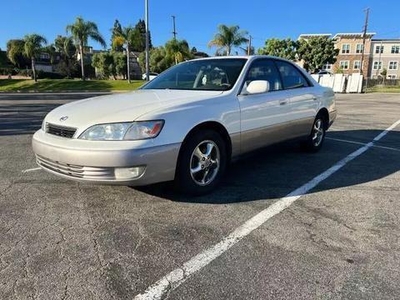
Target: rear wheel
[201,164]
[316,138]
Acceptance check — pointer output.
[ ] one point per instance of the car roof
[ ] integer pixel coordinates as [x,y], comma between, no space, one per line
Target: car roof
[247,57]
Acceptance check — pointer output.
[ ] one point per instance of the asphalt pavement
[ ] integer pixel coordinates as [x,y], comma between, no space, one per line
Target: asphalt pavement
[338,239]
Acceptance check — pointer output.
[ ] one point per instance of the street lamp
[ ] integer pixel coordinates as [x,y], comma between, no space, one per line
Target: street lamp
[146,20]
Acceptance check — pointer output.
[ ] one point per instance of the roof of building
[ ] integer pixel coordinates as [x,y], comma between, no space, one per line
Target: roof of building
[386,40]
[306,35]
[353,35]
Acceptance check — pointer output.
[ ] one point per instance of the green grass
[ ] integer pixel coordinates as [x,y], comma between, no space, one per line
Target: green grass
[67,85]
[383,89]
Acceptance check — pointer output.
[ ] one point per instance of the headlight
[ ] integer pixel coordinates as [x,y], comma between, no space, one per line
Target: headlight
[123,131]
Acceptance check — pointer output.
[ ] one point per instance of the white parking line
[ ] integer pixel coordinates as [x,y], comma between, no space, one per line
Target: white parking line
[175,278]
[358,143]
[31,170]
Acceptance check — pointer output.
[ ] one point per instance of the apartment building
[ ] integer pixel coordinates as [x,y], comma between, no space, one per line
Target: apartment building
[351,54]
[385,58]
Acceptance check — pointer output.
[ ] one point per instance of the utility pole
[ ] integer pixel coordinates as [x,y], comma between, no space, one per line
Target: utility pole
[174,29]
[146,15]
[249,45]
[364,38]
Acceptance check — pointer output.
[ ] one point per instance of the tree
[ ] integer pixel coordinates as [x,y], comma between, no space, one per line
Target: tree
[157,60]
[139,37]
[227,38]
[15,53]
[177,51]
[109,64]
[66,48]
[51,51]
[104,64]
[316,52]
[125,37]
[162,58]
[81,31]
[115,31]
[33,44]
[196,53]
[3,59]
[120,63]
[285,48]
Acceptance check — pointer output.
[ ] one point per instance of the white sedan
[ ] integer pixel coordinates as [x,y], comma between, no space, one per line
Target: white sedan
[187,124]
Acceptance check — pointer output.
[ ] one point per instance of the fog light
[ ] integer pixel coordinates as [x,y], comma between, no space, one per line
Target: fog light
[126,173]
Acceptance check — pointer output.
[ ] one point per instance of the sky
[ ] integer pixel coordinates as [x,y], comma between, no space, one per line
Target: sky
[197,21]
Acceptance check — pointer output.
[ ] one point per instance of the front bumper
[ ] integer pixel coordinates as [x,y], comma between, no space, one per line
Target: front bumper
[104,161]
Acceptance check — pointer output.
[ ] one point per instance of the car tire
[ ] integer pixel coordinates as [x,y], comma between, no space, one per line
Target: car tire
[317,136]
[201,163]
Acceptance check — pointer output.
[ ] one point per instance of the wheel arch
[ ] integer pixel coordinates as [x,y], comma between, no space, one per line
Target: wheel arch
[214,126]
[325,115]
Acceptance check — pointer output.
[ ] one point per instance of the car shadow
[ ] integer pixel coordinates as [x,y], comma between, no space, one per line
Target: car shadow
[276,171]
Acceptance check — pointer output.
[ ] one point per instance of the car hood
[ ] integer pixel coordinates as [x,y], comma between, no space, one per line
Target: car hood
[122,107]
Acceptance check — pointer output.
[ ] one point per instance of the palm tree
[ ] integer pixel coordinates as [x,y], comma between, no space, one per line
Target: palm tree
[65,46]
[228,37]
[177,50]
[33,43]
[15,52]
[81,31]
[124,37]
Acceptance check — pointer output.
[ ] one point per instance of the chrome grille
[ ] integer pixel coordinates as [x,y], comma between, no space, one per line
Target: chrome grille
[67,132]
[75,171]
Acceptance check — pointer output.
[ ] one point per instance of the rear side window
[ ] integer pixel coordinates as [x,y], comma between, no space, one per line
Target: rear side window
[292,78]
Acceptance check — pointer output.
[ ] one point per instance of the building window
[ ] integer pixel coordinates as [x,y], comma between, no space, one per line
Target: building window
[44,56]
[344,64]
[356,65]
[377,65]
[346,48]
[359,48]
[395,49]
[393,65]
[392,76]
[327,67]
[379,49]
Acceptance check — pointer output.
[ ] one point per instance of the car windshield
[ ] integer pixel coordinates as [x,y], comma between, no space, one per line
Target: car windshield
[204,74]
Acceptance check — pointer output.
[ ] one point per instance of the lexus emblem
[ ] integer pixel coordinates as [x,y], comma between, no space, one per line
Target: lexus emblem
[62,119]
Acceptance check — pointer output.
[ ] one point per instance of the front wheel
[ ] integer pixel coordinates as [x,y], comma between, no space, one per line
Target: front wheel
[316,138]
[201,163]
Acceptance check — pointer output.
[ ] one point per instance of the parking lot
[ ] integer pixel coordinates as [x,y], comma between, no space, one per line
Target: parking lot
[285,224]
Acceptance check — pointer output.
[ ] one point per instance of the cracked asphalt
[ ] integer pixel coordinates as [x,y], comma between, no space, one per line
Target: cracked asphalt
[65,240]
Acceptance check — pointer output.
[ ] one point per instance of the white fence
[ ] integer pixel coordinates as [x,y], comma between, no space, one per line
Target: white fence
[341,83]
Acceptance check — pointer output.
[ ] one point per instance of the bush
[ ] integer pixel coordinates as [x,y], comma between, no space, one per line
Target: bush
[24,72]
[49,75]
[7,71]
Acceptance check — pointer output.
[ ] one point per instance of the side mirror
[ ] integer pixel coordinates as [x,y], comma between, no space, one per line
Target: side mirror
[257,87]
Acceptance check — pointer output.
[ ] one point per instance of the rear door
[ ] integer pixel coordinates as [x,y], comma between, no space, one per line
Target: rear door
[302,99]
